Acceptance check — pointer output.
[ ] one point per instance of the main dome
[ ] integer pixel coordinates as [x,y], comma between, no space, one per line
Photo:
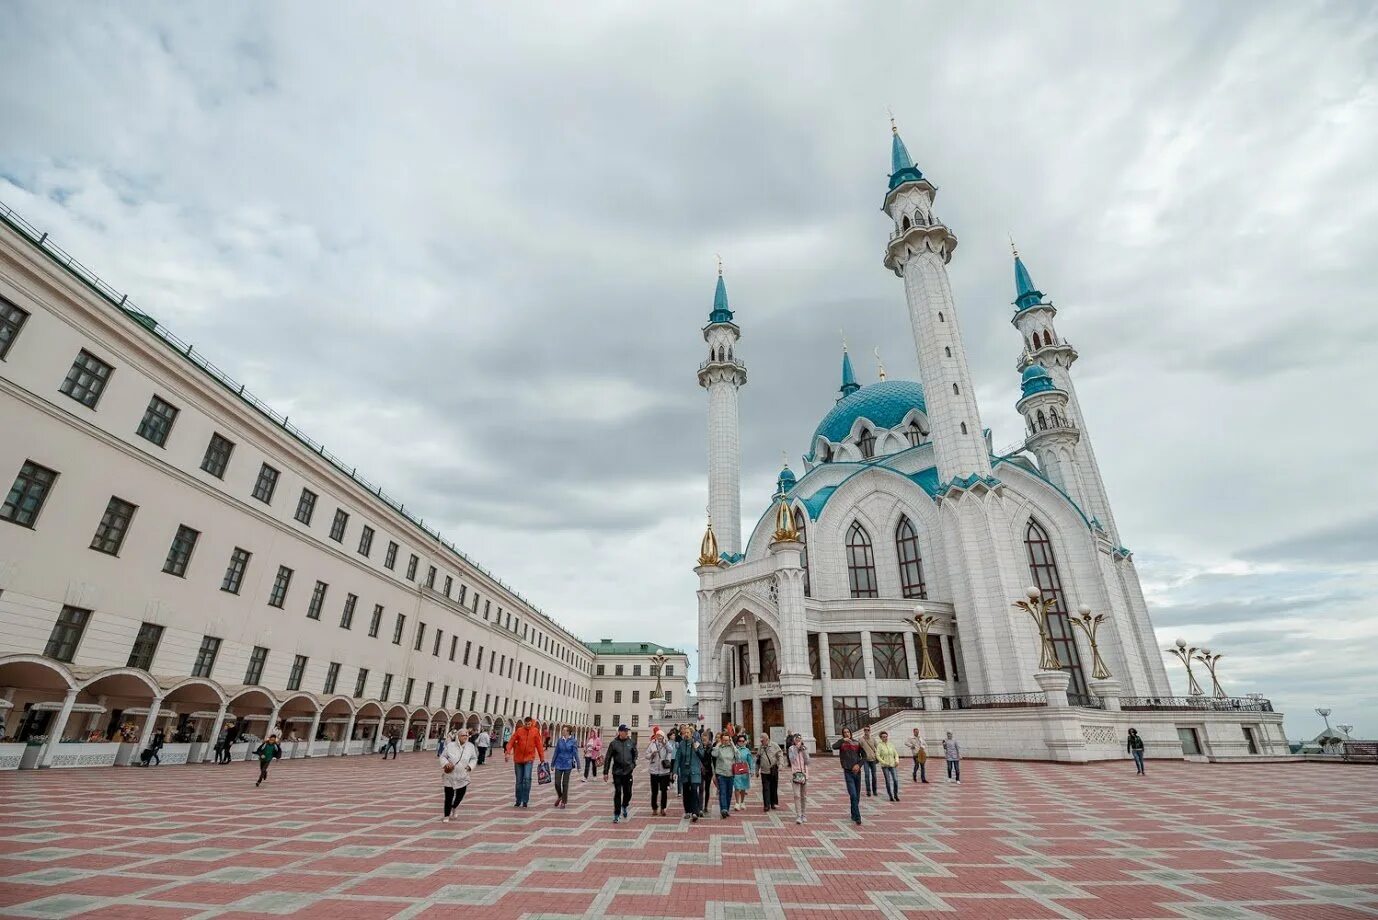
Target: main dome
[883,404]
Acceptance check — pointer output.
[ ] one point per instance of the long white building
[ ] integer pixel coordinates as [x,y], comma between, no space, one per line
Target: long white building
[174,553]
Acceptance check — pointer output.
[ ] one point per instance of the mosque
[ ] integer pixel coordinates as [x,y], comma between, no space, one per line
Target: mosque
[903,509]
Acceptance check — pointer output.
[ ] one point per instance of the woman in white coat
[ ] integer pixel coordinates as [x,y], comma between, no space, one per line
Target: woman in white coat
[457,761]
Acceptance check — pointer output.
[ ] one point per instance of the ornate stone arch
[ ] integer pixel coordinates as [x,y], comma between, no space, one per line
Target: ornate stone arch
[137,674]
[738,603]
[37,664]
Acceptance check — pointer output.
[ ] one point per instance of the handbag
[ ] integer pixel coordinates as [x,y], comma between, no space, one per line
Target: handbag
[740,768]
[800,777]
[449,767]
[543,773]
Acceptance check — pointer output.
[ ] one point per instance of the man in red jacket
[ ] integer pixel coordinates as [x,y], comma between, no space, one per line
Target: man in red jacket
[524,750]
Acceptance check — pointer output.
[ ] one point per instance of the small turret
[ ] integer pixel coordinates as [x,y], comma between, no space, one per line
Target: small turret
[849,384]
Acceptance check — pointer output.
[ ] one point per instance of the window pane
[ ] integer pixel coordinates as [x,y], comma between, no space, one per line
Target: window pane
[278,596]
[337,527]
[1043,567]
[87,379]
[11,321]
[114,524]
[145,646]
[267,483]
[26,496]
[217,456]
[157,421]
[234,574]
[205,657]
[179,554]
[306,506]
[861,565]
[67,633]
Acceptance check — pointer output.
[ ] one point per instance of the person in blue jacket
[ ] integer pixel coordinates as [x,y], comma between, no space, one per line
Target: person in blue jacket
[564,760]
[689,768]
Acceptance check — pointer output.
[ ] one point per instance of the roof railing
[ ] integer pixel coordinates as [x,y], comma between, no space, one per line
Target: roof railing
[188,352]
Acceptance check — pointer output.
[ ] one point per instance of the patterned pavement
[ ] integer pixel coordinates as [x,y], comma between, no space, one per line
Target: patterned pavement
[360,837]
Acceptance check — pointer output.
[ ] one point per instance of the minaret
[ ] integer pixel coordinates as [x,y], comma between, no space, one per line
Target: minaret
[721,375]
[1052,436]
[1044,348]
[849,384]
[918,252]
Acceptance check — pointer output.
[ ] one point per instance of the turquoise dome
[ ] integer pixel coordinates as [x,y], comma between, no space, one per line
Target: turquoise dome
[786,480]
[1035,380]
[884,404]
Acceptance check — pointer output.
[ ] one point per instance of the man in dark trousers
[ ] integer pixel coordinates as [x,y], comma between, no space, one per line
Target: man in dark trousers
[267,752]
[618,765]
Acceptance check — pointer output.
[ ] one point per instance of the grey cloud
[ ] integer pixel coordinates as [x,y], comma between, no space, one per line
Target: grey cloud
[1351,541]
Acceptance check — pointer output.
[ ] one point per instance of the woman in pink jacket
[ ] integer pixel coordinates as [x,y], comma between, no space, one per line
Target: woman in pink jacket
[593,754]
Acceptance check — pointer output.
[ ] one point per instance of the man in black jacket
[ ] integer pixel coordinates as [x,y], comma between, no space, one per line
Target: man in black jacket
[618,764]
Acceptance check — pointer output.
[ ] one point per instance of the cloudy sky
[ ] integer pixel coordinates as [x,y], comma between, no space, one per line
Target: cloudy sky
[471,248]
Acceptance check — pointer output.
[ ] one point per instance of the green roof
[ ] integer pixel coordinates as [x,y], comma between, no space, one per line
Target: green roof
[609,647]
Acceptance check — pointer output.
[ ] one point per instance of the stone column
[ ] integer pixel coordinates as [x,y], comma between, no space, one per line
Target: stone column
[215,733]
[311,732]
[825,678]
[152,717]
[59,726]
[912,652]
[1054,685]
[932,693]
[868,668]
[93,722]
[348,734]
[272,721]
[945,649]
[1109,692]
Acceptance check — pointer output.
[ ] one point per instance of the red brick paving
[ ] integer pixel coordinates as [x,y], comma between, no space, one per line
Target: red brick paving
[360,837]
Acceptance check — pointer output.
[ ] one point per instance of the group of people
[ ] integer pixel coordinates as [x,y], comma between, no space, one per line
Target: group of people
[860,756]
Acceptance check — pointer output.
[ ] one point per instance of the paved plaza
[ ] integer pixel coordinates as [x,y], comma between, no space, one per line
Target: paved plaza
[360,837]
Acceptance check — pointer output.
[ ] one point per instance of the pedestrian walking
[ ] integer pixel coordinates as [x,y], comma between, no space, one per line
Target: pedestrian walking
[267,752]
[952,753]
[706,745]
[689,769]
[523,749]
[798,762]
[850,755]
[868,750]
[619,764]
[481,744]
[564,760]
[393,745]
[458,758]
[672,736]
[1136,750]
[660,759]
[593,754]
[889,759]
[724,757]
[919,751]
[770,760]
[743,764]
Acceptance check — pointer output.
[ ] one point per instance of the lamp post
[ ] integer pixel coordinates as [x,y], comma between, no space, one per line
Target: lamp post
[1184,654]
[923,622]
[1089,624]
[930,686]
[1325,714]
[1345,728]
[658,694]
[1037,608]
[1210,660]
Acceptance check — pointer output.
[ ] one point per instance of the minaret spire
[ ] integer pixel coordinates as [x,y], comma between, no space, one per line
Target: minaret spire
[918,252]
[722,375]
[849,384]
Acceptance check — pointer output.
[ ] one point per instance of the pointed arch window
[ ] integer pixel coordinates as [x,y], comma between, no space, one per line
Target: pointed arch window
[1043,568]
[911,560]
[861,563]
[914,434]
[1042,421]
[803,548]
[867,443]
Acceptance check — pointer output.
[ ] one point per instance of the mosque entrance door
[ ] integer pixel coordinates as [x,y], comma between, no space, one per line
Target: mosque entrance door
[747,727]
[772,714]
[820,731]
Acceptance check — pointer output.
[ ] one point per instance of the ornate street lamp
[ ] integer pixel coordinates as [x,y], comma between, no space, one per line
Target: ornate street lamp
[1184,654]
[1210,661]
[658,662]
[1089,624]
[923,622]
[1345,728]
[1325,714]
[1038,608]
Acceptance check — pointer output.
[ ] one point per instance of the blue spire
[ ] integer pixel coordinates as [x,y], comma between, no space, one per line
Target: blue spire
[1025,294]
[902,168]
[720,314]
[849,384]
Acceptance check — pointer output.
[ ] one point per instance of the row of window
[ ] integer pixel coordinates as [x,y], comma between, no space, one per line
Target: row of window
[617,670]
[34,483]
[636,696]
[71,625]
[861,560]
[87,380]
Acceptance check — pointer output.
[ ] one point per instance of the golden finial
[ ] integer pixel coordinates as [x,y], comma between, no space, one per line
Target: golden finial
[843,333]
[784,458]
[785,531]
[1012,249]
[894,129]
[879,363]
[708,547]
[719,258]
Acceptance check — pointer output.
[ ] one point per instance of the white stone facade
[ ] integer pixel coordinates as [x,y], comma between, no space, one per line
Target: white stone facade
[452,644]
[624,679]
[904,503]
